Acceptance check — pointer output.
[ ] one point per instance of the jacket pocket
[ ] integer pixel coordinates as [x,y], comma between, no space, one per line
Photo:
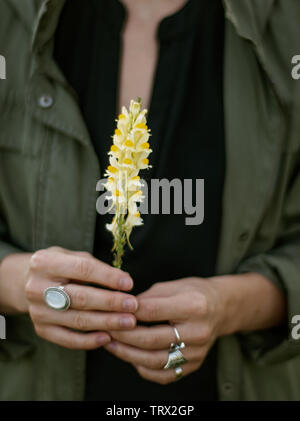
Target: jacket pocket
[19,133]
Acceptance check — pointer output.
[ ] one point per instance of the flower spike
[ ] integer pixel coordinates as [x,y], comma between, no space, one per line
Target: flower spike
[127,156]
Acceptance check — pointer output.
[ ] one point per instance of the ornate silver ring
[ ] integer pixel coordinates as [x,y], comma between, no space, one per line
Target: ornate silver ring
[176,358]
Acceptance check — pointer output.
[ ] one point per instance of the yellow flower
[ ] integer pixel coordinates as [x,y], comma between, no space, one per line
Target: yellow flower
[127,156]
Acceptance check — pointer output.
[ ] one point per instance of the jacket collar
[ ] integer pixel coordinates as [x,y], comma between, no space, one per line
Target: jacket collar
[26,11]
[249,17]
[46,24]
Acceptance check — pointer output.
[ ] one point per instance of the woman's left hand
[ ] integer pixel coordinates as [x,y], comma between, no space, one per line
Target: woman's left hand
[193,305]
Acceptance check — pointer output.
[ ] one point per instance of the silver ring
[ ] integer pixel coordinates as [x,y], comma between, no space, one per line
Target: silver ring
[57,298]
[175,358]
[177,335]
[178,372]
[179,343]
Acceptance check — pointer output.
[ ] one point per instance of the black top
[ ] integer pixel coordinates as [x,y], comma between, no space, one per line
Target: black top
[186,121]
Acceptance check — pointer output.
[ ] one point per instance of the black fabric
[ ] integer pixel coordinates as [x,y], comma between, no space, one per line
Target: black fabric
[186,120]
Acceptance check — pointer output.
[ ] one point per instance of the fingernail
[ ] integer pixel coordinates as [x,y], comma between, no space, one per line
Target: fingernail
[126,283]
[126,322]
[130,304]
[102,339]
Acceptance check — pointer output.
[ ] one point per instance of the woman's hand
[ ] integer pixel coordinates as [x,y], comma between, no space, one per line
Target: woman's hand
[202,310]
[193,305]
[93,311]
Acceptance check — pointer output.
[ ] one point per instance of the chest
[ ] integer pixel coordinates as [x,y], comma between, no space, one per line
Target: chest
[139,51]
[140,47]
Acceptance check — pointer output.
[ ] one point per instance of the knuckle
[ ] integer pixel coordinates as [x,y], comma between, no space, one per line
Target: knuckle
[157,379]
[112,276]
[29,289]
[38,259]
[111,323]
[204,334]
[39,330]
[79,298]
[140,371]
[35,313]
[70,344]
[200,304]
[111,301]
[150,341]
[201,358]
[163,380]
[151,312]
[155,286]
[56,249]
[154,364]
[92,344]
[84,268]
[80,322]
[83,342]
[85,254]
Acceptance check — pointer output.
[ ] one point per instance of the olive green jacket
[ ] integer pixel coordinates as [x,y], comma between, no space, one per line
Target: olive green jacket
[49,170]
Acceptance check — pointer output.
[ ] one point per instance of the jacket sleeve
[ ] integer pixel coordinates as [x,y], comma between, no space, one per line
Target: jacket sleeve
[281,265]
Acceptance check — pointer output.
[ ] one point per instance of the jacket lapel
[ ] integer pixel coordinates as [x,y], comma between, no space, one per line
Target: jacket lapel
[254,131]
[41,18]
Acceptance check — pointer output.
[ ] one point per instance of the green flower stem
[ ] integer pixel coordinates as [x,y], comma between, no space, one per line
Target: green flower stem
[119,243]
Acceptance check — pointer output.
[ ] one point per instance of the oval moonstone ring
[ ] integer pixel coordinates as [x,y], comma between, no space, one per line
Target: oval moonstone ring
[57,298]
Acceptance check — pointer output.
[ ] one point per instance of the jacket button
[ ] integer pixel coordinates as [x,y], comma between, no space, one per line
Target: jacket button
[45,101]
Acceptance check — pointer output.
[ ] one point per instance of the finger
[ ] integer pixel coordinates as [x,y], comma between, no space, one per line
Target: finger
[143,337]
[166,376]
[82,320]
[152,309]
[85,297]
[87,269]
[160,337]
[161,289]
[72,340]
[89,298]
[155,360]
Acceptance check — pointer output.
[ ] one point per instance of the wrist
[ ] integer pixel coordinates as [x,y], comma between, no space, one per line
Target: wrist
[228,305]
[248,302]
[13,271]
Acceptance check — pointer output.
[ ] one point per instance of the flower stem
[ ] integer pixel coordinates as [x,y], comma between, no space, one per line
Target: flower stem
[119,243]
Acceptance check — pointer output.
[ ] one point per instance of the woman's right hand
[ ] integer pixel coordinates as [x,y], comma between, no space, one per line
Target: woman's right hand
[93,311]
